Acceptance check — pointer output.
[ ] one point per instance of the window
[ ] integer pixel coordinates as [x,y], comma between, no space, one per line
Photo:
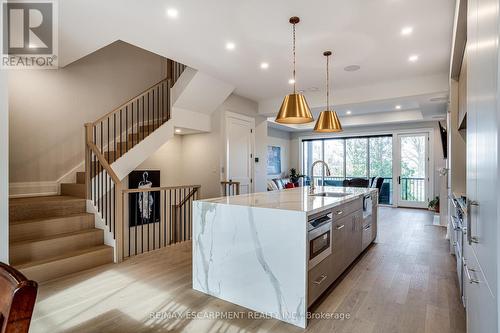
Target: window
[356,157]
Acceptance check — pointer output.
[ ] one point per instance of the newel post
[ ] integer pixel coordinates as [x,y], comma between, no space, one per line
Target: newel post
[88,157]
[119,198]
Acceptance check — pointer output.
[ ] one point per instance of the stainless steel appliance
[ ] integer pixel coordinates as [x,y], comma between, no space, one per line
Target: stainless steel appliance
[320,238]
[367,221]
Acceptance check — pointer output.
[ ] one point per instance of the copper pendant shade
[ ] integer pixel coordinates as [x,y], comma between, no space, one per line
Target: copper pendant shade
[294,109]
[328,120]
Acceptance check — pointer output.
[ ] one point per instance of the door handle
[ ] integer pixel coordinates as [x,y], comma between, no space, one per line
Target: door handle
[399,179]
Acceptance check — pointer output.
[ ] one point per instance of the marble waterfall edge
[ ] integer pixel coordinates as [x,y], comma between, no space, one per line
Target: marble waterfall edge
[253,257]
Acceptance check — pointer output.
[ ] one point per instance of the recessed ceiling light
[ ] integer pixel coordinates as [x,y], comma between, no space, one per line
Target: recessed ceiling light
[352,68]
[264,65]
[172,13]
[398,107]
[406,31]
[348,112]
[413,58]
[230,46]
[178,130]
[291,81]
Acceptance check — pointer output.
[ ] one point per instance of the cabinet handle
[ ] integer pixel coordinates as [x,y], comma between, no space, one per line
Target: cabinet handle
[320,280]
[339,212]
[340,227]
[469,277]
[471,239]
[367,227]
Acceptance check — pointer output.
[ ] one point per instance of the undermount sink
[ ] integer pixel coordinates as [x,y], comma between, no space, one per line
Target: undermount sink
[331,194]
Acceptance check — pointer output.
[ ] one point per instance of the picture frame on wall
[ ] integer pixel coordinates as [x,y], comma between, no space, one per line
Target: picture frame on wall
[273,160]
[144,207]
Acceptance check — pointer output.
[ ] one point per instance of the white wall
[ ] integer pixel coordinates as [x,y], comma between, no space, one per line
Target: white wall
[200,158]
[4,169]
[48,108]
[281,139]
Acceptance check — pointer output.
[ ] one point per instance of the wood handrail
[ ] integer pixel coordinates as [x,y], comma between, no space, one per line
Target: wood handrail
[157,189]
[117,109]
[190,194]
[104,163]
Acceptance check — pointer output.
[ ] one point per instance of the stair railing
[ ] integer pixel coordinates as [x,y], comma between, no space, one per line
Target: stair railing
[112,135]
[230,188]
[157,217]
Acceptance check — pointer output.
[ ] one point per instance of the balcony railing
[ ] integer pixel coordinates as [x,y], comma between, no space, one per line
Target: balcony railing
[413,189]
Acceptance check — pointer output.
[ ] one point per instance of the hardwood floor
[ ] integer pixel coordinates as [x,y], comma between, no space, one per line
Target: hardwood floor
[406,282]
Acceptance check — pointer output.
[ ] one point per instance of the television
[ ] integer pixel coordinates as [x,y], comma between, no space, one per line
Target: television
[444,139]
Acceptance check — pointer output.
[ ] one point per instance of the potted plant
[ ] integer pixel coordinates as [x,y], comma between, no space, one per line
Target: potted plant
[295,177]
[434,204]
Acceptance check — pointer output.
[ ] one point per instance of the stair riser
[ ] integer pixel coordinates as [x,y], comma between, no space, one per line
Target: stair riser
[46,209]
[74,190]
[58,268]
[39,250]
[50,227]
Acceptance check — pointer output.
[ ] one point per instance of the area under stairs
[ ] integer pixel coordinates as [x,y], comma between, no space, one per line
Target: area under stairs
[52,236]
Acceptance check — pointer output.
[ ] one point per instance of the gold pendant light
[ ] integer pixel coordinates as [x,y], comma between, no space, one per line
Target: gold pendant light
[294,109]
[328,120]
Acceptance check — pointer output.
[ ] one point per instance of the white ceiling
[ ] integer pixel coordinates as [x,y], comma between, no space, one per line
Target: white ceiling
[359,32]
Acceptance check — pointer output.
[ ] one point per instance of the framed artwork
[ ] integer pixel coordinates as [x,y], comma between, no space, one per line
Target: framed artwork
[144,207]
[273,160]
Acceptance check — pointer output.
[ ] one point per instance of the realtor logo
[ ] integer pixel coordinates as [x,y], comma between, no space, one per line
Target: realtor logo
[29,35]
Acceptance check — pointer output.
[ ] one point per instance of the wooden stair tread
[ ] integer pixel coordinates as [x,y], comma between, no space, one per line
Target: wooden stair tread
[49,198]
[48,238]
[41,219]
[64,256]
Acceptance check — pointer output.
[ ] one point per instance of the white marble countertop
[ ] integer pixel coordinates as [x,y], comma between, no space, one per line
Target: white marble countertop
[295,199]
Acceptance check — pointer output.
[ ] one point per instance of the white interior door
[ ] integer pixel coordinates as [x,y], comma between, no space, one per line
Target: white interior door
[239,148]
[412,170]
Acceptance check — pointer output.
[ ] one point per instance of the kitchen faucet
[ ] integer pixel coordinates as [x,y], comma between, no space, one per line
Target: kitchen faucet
[311,186]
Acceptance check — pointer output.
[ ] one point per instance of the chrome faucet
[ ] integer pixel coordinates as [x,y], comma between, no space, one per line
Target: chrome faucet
[311,186]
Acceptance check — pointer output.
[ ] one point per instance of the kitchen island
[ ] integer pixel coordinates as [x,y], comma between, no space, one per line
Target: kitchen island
[277,252]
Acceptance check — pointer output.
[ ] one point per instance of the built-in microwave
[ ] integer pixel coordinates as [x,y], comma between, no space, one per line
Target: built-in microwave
[320,238]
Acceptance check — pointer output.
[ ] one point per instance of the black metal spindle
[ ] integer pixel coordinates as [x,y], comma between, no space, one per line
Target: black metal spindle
[126,128]
[149,215]
[121,131]
[154,219]
[132,124]
[142,131]
[114,134]
[134,202]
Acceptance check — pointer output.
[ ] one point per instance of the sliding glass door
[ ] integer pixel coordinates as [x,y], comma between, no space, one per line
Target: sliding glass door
[412,174]
[347,158]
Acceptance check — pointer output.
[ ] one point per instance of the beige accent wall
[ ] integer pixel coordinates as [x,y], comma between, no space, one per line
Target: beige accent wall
[4,169]
[48,108]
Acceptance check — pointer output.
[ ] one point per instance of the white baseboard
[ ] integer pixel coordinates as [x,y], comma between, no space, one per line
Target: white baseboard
[100,224]
[33,189]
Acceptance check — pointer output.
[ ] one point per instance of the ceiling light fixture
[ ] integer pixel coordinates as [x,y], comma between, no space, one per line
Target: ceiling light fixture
[413,58]
[352,68]
[230,46]
[348,112]
[264,65]
[406,31]
[292,81]
[328,120]
[398,107]
[172,13]
[178,130]
[294,109]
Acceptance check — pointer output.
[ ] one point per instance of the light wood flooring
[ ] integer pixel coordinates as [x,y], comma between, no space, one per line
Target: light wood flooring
[406,282]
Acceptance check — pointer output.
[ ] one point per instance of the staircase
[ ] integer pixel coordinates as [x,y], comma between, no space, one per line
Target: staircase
[54,235]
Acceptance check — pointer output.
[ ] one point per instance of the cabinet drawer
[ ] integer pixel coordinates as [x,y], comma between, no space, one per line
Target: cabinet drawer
[347,208]
[320,277]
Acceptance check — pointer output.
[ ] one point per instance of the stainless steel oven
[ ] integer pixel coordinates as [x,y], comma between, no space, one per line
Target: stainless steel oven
[320,238]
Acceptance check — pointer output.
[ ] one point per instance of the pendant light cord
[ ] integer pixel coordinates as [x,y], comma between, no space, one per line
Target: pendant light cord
[294,86]
[327,84]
